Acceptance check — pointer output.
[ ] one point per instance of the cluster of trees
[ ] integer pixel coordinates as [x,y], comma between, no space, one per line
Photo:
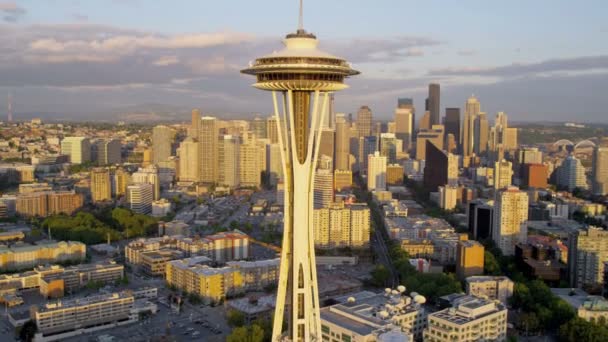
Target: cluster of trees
[94,228]
[259,330]
[578,329]
[430,285]
[541,309]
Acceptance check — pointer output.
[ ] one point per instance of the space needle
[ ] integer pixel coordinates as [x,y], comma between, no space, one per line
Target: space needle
[301,78]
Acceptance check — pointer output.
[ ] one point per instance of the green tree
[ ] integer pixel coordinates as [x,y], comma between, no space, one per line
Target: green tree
[491,265]
[380,275]
[253,333]
[28,330]
[235,318]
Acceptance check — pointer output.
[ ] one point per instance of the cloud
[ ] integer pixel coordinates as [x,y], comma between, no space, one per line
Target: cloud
[11,12]
[467,52]
[166,60]
[578,64]
[363,50]
[79,17]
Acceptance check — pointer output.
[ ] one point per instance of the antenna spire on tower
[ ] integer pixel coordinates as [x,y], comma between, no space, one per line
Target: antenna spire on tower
[301,18]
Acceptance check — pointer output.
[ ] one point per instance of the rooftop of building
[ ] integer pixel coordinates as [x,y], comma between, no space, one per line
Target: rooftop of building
[21,248]
[466,309]
[63,304]
[482,279]
[253,304]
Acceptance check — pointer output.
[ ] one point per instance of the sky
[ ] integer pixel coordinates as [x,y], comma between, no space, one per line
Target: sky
[542,60]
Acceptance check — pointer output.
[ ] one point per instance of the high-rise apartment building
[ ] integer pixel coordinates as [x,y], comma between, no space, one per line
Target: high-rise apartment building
[258,127]
[208,140]
[108,151]
[101,186]
[469,259]
[434,104]
[339,225]
[77,148]
[364,121]
[272,130]
[189,160]
[571,174]
[229,161]
[252,160]
[195,123]
[472,109]
[480,218]
[503,174]
[587,256]
[448,196]
[140,198]
[408,103]
[599,170]
[121,180]
[376,172]
[323,188]
[274,166]
[162,143]
[510,219]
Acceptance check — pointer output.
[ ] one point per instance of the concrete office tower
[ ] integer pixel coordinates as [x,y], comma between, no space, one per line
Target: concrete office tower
[252,160]
[471,111]
[108,152]
[498,133]
[441,168]
[120,182]
[394,174]
[434,135]
[480,216]
[404,126]
[510,219]
[148,175]
[228,155]
[208,139]
[140,198]
[294,73]
[376,172]
[599,169]
[339,225]
[162,142]
[77,148]
[425,121]
[323,188]
[364,121]
[343,179]
[272,130]
[571,174]
[511,139]
[587,253]
[101,187]
[195,124]
[481,134]
[367,145]
[342,143]
[408,103]
[434,104]
[189,160]
[452,123]
[503,174]
[329,121]
[327,142]
[388,147]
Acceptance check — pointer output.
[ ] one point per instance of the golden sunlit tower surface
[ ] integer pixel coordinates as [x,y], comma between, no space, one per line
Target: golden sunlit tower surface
[304,76]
